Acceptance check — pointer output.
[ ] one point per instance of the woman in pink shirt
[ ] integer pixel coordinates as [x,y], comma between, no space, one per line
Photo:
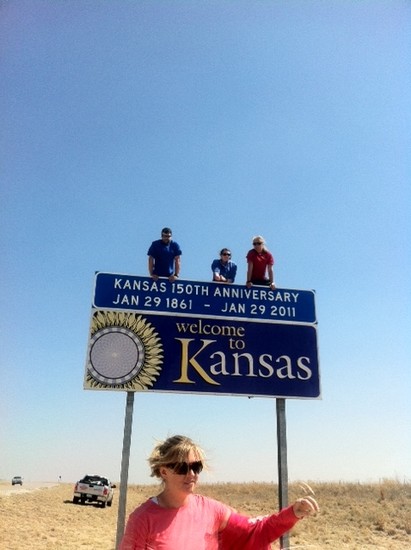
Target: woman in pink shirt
[179,519]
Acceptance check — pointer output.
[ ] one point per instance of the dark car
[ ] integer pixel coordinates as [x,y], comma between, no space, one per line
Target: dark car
[17,480]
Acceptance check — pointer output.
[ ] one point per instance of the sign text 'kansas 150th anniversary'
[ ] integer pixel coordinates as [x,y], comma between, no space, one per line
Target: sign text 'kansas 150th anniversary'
[126,292]
[151,345]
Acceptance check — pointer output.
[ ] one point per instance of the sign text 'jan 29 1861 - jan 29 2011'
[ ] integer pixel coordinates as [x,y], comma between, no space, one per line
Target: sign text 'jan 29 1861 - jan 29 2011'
[189,336]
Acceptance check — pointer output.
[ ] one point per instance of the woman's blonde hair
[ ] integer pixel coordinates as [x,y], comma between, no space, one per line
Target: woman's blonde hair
[174,449]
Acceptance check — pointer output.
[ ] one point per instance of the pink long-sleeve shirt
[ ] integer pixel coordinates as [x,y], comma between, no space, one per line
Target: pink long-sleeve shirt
[193,526]
[197,524]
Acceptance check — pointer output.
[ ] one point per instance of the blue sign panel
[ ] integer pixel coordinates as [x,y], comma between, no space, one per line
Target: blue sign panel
[130,351]
[206,299]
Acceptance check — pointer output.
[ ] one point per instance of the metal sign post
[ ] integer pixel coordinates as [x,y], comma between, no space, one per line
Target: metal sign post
[125,460]
[282,464]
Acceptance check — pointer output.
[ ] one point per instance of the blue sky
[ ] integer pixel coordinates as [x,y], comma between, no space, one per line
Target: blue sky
[223,120]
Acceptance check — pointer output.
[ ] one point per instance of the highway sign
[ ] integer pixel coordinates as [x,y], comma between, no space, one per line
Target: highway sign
[205,299]
[130,351]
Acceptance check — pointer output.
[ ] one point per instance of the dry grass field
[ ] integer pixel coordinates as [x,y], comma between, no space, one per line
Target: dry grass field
[353,516]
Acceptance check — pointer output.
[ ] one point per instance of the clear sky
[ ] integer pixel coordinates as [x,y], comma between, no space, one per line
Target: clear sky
[223,120]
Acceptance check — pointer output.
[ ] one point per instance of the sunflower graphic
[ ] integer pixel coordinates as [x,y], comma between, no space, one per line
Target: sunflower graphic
[125,352]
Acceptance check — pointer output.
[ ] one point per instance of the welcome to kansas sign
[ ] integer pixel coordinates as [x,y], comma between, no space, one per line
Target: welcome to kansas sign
[201,337]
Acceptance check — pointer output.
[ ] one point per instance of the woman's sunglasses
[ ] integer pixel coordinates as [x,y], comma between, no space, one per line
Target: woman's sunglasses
[182,468]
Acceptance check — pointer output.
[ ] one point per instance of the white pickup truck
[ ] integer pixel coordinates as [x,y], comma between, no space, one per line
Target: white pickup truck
[94,489]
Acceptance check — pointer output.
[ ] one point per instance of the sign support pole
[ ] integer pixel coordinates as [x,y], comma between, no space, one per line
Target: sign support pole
[282,464]
[125,460]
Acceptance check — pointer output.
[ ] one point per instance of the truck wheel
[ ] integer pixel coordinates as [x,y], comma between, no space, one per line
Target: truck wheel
[75,500]
[103,504]
[109,503]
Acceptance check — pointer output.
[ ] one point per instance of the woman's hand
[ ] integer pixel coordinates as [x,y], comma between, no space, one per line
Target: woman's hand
[306,506]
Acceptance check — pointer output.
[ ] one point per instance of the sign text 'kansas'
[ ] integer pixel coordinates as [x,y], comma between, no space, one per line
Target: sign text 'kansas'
[133,351]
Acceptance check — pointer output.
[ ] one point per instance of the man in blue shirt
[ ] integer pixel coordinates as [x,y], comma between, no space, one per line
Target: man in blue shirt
[164,257]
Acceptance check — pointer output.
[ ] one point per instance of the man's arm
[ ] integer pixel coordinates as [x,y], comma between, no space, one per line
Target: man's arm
[151,268]
[177,266]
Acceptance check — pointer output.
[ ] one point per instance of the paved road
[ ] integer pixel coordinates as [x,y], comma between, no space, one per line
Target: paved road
[27,487]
